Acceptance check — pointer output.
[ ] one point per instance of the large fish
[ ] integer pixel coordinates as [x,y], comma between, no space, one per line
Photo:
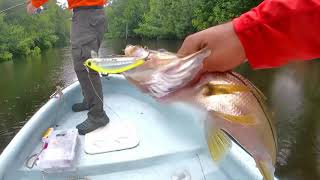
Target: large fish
[234,106]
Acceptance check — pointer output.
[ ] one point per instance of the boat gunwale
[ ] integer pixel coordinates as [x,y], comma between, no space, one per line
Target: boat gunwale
[12,150]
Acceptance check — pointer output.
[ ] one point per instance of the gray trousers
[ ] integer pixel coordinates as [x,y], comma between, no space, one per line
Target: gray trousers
[88,26]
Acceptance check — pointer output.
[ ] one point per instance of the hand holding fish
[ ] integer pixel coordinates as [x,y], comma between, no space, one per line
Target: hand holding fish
[30,8]
[164,72]
[227,51]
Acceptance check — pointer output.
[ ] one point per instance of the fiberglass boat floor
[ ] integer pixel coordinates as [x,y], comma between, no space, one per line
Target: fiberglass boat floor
[171,141]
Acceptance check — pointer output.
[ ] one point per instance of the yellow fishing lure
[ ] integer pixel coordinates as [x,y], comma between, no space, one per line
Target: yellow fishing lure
[113,65]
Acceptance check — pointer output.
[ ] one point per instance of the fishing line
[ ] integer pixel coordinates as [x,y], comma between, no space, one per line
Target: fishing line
[37,11]
[12,7]
[204,177]
[95,91]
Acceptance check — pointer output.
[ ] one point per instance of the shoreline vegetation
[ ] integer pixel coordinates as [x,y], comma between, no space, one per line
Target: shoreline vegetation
[23,35]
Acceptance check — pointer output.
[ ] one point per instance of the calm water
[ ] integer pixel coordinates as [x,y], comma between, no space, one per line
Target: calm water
[293,92]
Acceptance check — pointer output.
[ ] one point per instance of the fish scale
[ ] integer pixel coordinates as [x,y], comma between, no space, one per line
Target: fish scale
[234,106]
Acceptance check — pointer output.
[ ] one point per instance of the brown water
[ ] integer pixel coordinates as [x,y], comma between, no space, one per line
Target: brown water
[293,92]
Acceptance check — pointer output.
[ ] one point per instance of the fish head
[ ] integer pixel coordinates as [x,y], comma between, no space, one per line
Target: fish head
[136,51]
[163,73]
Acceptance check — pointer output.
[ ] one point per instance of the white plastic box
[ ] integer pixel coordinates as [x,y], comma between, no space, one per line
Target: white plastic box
[60,154]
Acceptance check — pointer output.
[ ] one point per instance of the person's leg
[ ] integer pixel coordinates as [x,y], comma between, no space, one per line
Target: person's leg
[87,33]
[91,86]
[92,90]
[78,107]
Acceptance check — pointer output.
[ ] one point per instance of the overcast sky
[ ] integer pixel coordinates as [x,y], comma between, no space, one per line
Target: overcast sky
[61,1]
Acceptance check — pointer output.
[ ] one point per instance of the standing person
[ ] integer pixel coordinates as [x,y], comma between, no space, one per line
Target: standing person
[88,26]
[270,35]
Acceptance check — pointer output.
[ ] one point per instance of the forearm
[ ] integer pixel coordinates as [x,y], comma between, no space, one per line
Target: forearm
[38,3]
[227,51]
[279,31]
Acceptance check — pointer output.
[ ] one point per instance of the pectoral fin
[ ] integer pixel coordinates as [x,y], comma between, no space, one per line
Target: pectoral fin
[218,89]
[218,143]
[241,119]
[266,170]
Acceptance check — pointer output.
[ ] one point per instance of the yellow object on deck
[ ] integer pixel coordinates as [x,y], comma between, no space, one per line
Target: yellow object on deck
[47,133]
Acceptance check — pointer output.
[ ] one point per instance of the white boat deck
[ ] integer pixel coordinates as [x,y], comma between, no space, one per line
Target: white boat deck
[172,145]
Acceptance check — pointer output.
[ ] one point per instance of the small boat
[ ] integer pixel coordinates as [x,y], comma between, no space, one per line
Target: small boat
[168,141]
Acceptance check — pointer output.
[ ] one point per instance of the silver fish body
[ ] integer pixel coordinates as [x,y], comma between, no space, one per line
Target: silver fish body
[237,107]
[234,106]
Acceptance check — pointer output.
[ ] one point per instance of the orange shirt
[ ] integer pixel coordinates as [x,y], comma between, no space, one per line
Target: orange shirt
[73,3]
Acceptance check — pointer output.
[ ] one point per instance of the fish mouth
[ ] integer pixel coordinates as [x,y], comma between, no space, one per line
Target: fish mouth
[162,77]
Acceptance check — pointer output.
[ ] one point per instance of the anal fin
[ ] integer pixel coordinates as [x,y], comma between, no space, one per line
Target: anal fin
[218,143]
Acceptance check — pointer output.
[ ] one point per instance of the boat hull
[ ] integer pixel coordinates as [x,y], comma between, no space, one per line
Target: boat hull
[172,143]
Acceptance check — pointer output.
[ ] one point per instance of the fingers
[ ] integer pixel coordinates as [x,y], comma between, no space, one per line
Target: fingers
[226,49]
[190,45]
[31,9]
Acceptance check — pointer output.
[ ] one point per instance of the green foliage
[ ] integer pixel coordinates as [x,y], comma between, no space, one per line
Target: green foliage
[125,15]
[167,19]
[6,56]
[163,19]
[210,13]
[160,19]
[150,18]
[157,22]
[22,34]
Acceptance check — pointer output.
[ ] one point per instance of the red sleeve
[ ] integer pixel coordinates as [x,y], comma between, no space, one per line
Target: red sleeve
[38,3]
[279,31]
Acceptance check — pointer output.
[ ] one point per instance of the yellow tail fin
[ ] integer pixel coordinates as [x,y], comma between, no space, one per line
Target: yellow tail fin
[266,170]
[218,143]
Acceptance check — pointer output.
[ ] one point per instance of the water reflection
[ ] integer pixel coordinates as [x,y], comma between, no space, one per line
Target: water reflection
[293,95]
[287,96]
[293,92]
[26,83]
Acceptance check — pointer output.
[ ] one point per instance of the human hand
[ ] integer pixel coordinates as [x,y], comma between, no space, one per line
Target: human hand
[30,8]
[226,49]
